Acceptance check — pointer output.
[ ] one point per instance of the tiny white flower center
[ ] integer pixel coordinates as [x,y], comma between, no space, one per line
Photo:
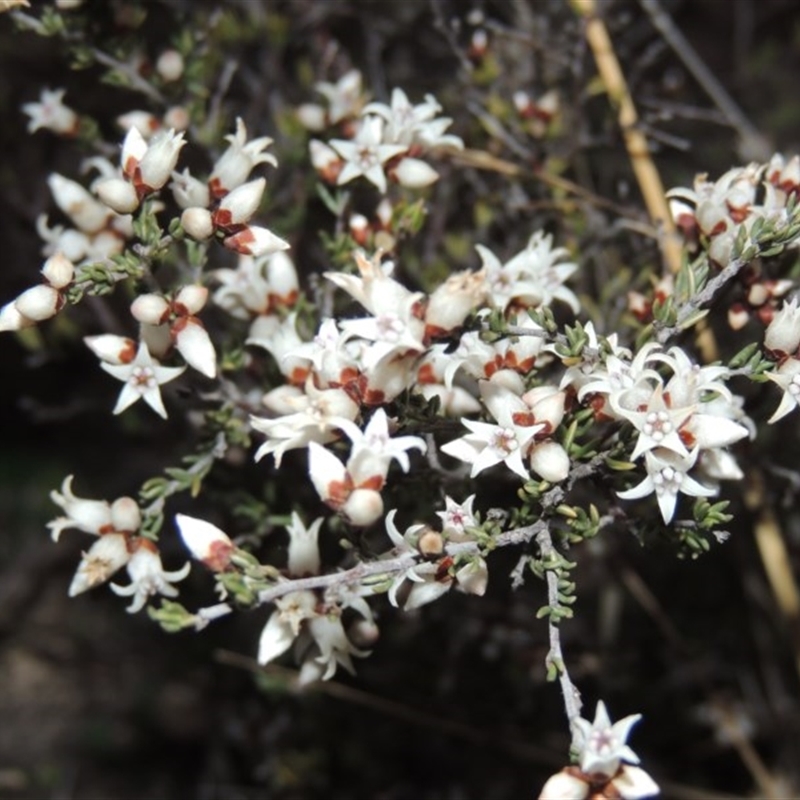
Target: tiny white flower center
[603,741]
[657,425]
[143,379]
[504,441]
[668,481]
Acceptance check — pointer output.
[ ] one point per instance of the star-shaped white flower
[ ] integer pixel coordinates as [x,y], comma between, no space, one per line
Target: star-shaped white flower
[666,477]
[365,155]
[603,745]
[142,377]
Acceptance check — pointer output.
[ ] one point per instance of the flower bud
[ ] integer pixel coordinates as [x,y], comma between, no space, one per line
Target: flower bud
[312,117]
[126,516]
[58,271]
[415,174]
[277,636]
[359,228]
[170,65]
[177,117]
[239,205]
[118,195]
[550,461]
[152,309]
[134,148]
[112,349]
[285,400]
[194,344]
[40,302]
[206,542]
[712,218]
[191,298]
[282,278]
[12,320]
[325,160]
[198,223]
[160,159]
[547,405]
[107,555]
[146,123]
[783,334]
[85,212]
[564,786]
[450,304]
[363,507]
[363,633]
[255,241]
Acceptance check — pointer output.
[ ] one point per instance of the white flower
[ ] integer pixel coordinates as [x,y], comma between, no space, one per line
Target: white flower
[787,376]
[783,333]
[284,624]
[658,424]
[148,576]
[304,558]
[235,164]
[142,378]
[91,516]
[335,648]
[155,167]
[239,205]
[86,213]
[344,97]
[603,745]
[667,476]
[457,517]
[365,154]
[374,449]
[51,113]
[255,241]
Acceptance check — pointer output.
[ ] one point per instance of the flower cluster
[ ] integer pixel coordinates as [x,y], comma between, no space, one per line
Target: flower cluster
[385,140]
[118,545]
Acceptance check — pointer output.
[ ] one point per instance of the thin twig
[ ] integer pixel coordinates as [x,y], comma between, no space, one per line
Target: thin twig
[555,656]
[136,81]
[753,144]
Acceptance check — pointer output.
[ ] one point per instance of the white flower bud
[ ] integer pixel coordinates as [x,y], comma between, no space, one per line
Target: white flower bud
[712,218]
[325,160]
[40,302]
[415,174]
[363,507]
[160,159]
[276,638]
[239,205]
[255,241]
[152,309]
[282,277]
[12,320]
[363,633]
[191,298]
[134,148]
[118,195]
[312,117]
[146,123]
[509,379]
[547,405]
[194,344]
[188,191]
[285,400]
[170,65]
[564,786]
[107,555]
[783,333]
[721,248]
[85,212]
[206,542]
[126,516]
[450,304]
[177,117]
[550,461]
[111,348]
[197,222]
[58,271]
